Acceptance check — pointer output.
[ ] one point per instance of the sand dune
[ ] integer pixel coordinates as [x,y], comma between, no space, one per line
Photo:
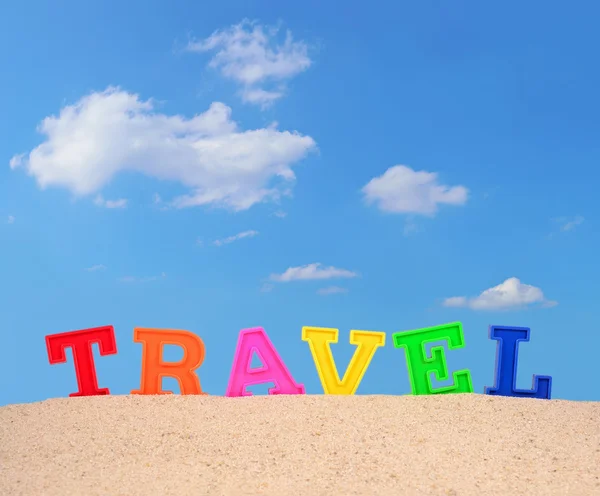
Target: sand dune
[300,445]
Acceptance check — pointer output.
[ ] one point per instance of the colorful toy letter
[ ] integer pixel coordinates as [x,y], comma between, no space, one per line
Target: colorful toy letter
[80,343]
[154,368]
[420,365]
[273,369]
[507,352]
[319,340]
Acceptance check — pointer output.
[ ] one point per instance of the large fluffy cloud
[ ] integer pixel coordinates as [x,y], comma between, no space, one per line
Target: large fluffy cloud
[112,131]
[512,293]
[401,189]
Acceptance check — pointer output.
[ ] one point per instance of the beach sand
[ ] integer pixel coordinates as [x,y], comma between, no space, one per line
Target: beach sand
[457,444]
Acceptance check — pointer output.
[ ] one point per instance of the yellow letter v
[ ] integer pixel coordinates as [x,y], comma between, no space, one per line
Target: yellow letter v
[319,340]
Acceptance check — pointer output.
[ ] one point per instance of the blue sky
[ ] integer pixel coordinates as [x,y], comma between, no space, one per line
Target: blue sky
[170,165]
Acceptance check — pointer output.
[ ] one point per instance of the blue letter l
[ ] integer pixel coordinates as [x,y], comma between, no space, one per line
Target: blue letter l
[507,352]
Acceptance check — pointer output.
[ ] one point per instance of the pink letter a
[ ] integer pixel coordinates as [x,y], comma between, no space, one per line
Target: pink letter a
[273,369]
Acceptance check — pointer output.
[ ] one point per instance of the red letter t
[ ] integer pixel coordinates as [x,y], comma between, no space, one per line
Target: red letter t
[81,344]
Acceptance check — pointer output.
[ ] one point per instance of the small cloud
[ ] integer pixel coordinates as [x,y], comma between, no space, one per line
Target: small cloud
[160,203]
[314,271]
[266,288]
[95,268]
[566,224]
[249,54]
[236,237]
[199,242]
[135,279]
[410,227]
[17,161]
[331,290]
[569,223]
[101,202]
[549,304]
[510,294]
[280,213]
[10,219]
[400,189]
[261,97]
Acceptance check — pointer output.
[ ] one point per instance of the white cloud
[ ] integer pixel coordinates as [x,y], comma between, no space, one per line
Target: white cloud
[16,161]
[314,271]
[569,223]
[410,227]
[95,268]
[231,239]
[10,219]
[331,290]
[101,202]
[249,54]
[402,190]
[280,214]
[456,301]
[260,97]
[512,293]
[135,279]
[113,131]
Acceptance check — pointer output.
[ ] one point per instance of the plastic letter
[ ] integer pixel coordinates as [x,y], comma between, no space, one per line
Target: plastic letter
[507,352]
[81,344]
[273,368]
[420,365]
[154,368]
[319,340]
